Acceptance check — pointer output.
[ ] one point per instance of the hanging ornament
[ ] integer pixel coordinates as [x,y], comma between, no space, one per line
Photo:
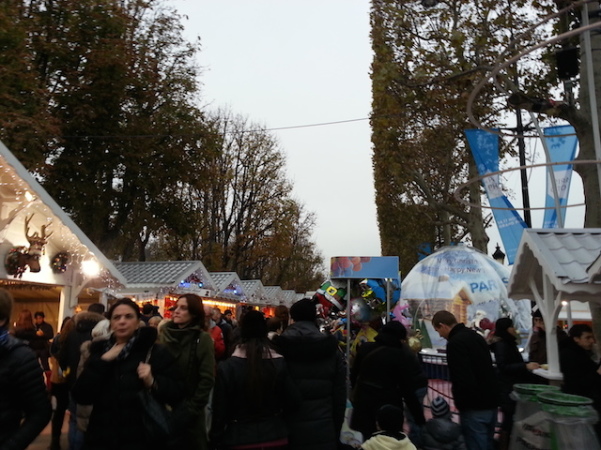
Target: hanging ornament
[59,262]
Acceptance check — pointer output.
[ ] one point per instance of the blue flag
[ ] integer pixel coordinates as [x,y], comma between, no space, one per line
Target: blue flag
[561,148]
[485,148]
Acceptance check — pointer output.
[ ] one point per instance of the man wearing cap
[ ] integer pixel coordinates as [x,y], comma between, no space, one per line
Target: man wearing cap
[474,382]
[317,367]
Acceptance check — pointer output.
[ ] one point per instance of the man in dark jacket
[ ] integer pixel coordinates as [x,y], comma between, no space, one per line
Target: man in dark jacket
[317,367]
[581,375]
[474,383]
[41,343]
[24,405]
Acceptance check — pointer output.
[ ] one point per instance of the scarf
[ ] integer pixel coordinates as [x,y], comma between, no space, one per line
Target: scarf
[125,351]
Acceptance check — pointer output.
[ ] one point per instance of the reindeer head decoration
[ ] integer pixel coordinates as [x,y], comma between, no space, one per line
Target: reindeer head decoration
[19,258]
[36,245]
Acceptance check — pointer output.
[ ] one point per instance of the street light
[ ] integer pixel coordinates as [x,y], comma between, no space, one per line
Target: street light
[498,255]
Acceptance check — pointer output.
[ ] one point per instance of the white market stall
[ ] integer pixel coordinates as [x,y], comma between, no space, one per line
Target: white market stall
[161,282]
[556,265]
[50,265]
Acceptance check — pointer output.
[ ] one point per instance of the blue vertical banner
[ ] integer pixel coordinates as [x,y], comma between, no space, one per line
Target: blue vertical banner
[561,142]
[485,148]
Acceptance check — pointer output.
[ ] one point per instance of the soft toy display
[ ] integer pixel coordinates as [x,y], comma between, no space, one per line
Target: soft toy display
[401,314]
[330,295]
[374,291]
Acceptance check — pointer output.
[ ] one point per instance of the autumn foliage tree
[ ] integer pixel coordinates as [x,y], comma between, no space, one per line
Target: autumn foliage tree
[429,59]
[242,218]
[421,75]
[100,101]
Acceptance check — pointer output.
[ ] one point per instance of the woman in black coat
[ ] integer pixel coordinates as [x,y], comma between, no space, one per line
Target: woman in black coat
[24,405]
[511,368]
[114,375]
[253,392]
[385,372]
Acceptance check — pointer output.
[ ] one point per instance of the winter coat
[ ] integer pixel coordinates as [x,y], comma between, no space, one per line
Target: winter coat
[441,433]
[239,421]
[511,368]
[383,440]
[112,388]
[218,341]
[384,372]
[42,343]
[473,377]
[317,367]
[70,350]
[537,351]
[195,356]
[580,376]
[22,394]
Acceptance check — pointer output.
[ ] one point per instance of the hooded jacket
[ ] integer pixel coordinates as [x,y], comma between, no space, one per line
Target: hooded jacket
[112,388]
[441,433]
[317,368]
[383,440]
[22,394]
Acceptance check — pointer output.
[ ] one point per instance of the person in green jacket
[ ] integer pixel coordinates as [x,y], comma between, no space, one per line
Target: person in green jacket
[193,350]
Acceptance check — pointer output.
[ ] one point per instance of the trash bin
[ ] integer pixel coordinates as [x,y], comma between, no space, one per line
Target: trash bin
[531,429]
[572,418]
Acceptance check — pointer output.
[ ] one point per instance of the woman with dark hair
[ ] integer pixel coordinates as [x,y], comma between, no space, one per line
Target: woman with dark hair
[24,327]
[185,337]
[252,393]
[511,369]
[117,369]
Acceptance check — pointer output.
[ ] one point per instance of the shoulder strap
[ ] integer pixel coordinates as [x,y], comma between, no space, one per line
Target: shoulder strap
[148,354]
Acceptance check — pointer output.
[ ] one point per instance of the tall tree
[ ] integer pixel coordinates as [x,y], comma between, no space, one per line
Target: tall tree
[420,76]
[120,83]
[444,49]
[242,218]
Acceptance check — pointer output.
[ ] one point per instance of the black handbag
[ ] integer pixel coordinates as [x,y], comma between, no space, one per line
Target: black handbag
[156,416]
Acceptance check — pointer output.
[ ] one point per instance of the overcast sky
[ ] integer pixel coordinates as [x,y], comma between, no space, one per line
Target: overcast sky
[290,63]
[285,63]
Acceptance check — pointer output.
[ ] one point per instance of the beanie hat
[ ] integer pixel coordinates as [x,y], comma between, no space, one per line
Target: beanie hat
[390,418]
[303,310]
[440,407]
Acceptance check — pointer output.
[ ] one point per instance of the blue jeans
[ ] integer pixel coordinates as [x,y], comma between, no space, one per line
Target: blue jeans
[76,437]
[478,428]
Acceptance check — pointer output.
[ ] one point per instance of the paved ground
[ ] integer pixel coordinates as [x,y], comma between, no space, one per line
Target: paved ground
[43,440]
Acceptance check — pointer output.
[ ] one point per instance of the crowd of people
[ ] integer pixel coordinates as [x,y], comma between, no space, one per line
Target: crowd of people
[258,383]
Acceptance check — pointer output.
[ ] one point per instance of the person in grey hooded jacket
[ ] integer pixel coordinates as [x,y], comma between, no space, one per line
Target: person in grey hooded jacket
[440,432]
